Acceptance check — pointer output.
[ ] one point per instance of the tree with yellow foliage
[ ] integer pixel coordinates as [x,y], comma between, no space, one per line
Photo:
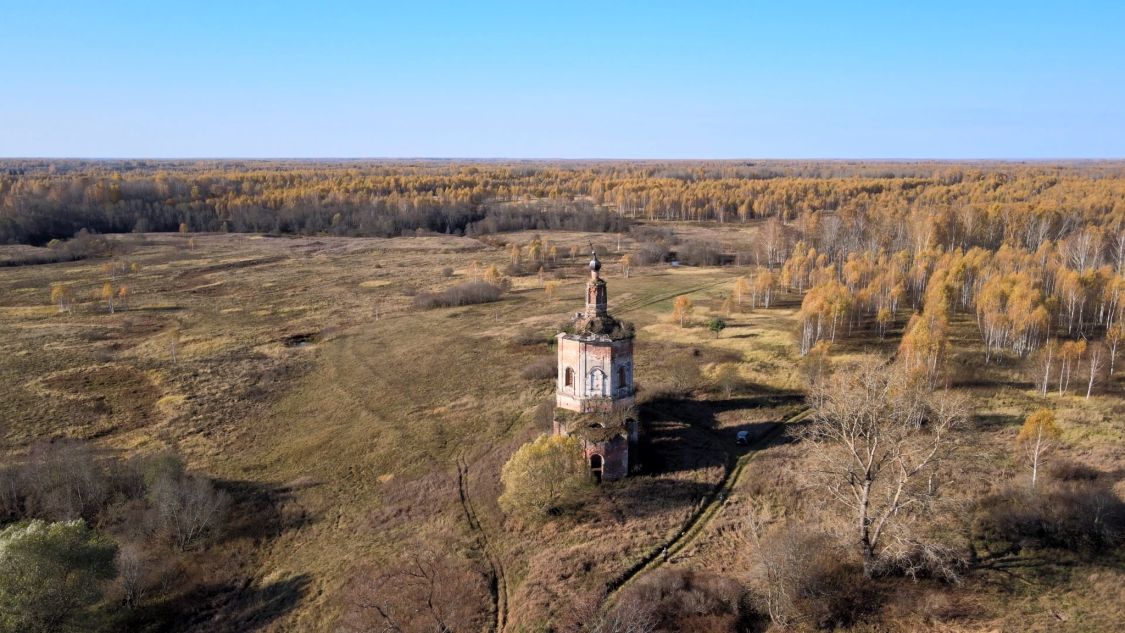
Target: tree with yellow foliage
[535,250]
[1036,437]
[1070,355]
[626,263]
[544,476]
[741,287]
[727,306]
[682,307]
[764,285]
[550,289]
[107,295]
[1113,337]
[492,275]
[822,309]
[62,295]
[883,319]
[922,350]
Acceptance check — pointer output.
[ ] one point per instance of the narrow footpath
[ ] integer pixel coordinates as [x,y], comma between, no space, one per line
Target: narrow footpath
[696,523]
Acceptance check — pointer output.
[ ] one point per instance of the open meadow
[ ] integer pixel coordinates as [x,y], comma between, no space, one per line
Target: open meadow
[295,372]
[361,440]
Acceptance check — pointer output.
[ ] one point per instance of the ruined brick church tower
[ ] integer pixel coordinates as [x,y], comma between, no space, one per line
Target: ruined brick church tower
[594,394]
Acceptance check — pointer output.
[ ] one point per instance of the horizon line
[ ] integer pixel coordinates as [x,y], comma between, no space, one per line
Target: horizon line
[579,159]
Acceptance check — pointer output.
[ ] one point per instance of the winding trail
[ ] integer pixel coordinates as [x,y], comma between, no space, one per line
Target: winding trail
[498,584]
[698,521]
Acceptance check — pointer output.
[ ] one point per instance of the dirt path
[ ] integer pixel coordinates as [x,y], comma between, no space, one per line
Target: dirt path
[498,584]
[697,522]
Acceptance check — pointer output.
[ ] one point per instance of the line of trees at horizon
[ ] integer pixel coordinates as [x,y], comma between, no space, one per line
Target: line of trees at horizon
[42,200]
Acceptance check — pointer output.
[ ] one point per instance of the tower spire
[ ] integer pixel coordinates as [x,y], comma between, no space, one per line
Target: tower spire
[596,299]
[595,264]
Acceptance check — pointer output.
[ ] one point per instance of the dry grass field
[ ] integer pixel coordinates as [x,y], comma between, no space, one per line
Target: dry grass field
[355,432]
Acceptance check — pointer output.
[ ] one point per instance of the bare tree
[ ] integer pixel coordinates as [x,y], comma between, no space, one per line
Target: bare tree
[629,615]
[777,597]
[131,572]
[878,436]
[1095,358]
[425,590]
[174,342]
[1039,365]
[187,507]
[63,480]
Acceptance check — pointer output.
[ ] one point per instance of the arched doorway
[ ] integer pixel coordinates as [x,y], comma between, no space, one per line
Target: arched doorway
[596,467]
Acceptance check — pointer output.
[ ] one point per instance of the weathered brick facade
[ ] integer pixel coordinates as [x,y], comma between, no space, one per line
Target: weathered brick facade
[591,371]
[595,379]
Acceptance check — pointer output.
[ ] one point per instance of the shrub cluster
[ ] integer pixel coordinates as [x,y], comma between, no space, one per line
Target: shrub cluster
[82,246]
[150,496]
[542,368]
[1081,515]
[698,253]
[809,578]
[142,512]
[468,293]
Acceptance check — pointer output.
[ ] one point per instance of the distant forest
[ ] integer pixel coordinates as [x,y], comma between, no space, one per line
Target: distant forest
[970,203]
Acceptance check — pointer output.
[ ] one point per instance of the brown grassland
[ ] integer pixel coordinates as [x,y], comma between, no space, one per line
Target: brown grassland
[357,435]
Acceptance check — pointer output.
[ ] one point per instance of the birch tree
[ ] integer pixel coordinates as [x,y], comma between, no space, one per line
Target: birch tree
[1095,360]
[682,308]
[1036,437]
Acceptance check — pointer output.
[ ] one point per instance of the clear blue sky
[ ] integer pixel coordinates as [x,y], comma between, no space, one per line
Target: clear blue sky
[614,79]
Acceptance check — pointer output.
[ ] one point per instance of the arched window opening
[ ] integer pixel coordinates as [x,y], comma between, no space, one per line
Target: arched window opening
[621,382]
[568,377]
[597,382]
[596,467]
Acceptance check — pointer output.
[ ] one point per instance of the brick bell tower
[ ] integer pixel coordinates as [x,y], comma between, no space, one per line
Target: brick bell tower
[594,394]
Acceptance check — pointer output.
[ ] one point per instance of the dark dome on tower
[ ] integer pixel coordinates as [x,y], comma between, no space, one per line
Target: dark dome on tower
[595,264]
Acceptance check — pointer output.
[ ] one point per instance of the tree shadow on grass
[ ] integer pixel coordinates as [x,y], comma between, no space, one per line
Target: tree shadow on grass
[213,587]
[236,605]
[704,413]
[995,421]
[669,446]
[648,496]
[262,510]
[682,434]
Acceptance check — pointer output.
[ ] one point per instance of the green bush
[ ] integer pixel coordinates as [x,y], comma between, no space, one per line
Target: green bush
[51,574]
